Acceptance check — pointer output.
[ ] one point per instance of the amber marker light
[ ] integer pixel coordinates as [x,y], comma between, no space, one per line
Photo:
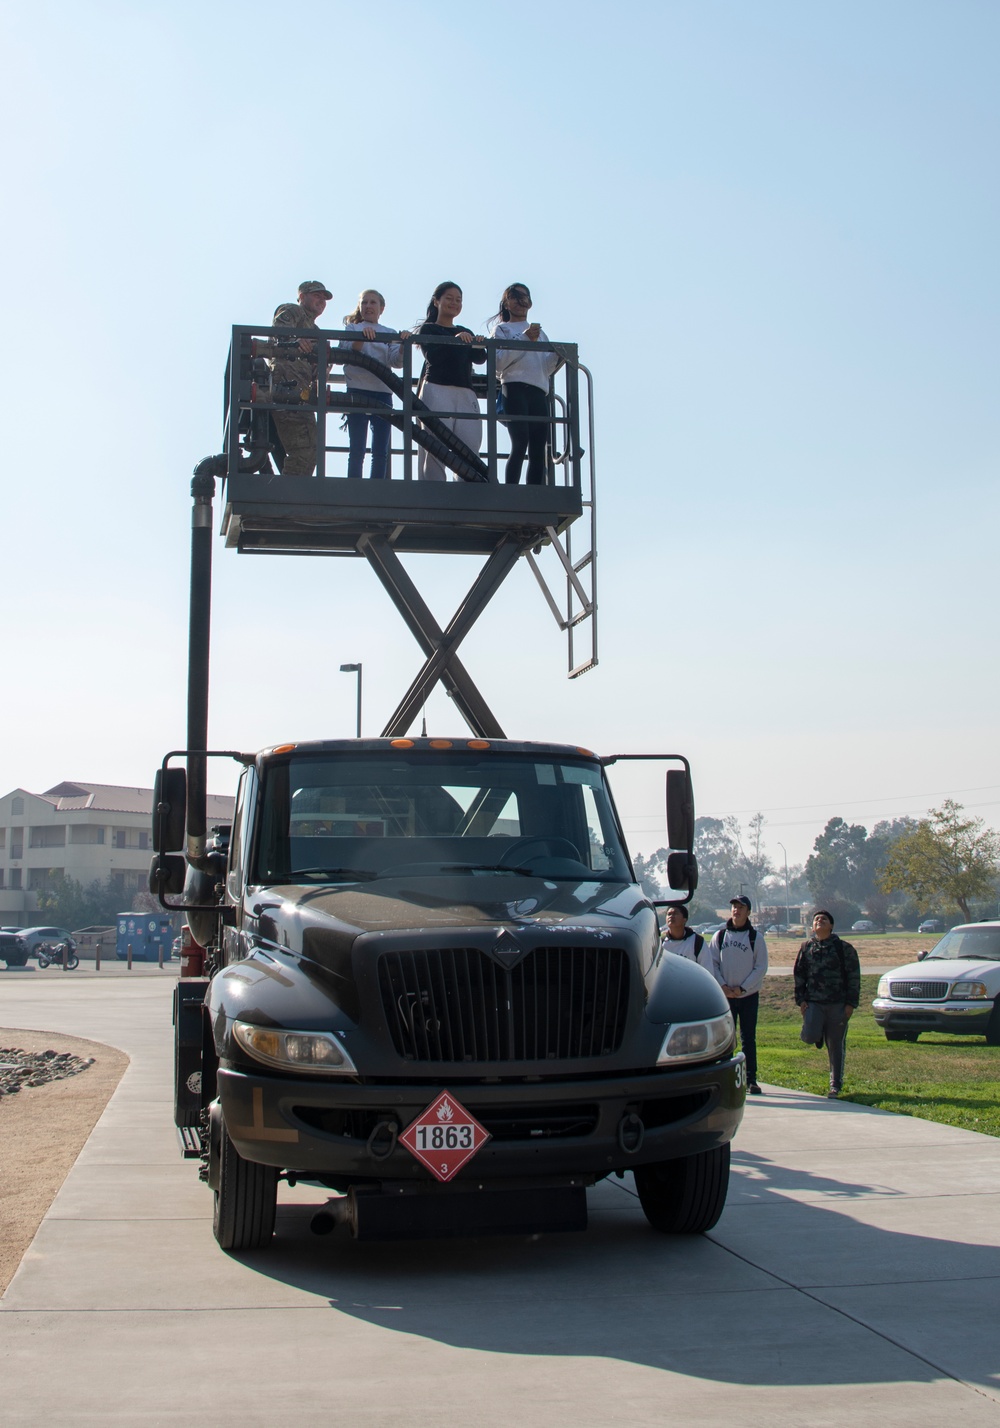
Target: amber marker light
[477,743]
[589,753]
[401,744]
[283,749]
[440,743]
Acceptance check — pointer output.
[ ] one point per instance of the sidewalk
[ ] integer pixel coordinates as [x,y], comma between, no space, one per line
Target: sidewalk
[854,1278]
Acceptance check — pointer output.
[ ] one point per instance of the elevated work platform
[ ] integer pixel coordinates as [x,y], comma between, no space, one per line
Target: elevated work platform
[306,515]
[474,512]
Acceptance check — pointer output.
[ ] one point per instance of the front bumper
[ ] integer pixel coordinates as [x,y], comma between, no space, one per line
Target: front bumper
[954,1016]
[540,1129]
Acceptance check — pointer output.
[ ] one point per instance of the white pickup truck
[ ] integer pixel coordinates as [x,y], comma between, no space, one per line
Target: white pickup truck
[954,987]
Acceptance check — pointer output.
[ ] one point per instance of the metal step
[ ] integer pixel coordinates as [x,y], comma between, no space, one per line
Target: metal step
[190,1139]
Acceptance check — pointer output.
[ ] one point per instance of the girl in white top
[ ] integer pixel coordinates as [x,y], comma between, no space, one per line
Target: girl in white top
[525,378]
[371,305]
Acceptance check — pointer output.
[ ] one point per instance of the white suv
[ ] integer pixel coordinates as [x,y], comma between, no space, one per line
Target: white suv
[954,987]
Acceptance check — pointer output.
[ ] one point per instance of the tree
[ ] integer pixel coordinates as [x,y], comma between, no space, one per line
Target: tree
[651,872]
[70,904]
[945,856]
[717,853]
[751,865]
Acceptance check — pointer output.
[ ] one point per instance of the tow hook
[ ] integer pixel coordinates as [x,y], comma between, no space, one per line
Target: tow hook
[382,1141]
[631,1133]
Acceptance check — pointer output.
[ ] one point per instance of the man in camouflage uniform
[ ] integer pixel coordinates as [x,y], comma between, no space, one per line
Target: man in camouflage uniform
[827,990]
[298,367]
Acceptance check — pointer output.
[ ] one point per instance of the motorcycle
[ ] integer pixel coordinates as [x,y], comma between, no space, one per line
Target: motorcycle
[48,955]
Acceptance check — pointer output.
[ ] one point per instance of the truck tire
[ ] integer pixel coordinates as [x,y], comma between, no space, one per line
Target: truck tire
[17,959]
[993,1026]
[245,1201]
[687,1196]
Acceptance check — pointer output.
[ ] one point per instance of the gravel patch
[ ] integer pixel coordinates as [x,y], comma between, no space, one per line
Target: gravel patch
[37,1068]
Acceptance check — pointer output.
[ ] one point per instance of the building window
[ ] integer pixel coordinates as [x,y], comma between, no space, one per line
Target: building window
[47,837]
[15,879]
[3,837]
[85,833]
[1,877]
[121,835]
[130,838]
[45,879]
[128,882]
[17,843]
[144,840]
[16,806]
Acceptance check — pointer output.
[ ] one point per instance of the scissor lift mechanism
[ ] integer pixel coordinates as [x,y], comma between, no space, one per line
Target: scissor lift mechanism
[265,512]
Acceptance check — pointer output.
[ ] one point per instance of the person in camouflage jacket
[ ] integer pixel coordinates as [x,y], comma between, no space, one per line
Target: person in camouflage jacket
[827,991]
[296,366]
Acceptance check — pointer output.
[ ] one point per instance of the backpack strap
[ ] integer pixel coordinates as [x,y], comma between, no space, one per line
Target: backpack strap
[753,938]
[699,943]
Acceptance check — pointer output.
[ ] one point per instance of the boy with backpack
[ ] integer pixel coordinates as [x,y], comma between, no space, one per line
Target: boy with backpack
[737,959]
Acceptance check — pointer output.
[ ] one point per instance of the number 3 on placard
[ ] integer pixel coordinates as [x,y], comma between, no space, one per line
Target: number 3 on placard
[741,1072]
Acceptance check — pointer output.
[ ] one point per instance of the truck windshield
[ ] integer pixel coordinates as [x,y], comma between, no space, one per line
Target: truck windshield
[981,943]
[336,817]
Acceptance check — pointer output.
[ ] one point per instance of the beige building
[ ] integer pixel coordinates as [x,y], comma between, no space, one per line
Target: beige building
[86,831]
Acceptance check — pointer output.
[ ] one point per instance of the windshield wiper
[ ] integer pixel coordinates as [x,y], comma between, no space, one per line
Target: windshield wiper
[351,875]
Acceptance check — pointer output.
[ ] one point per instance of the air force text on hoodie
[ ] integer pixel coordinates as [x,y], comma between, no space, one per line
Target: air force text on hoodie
[734,962]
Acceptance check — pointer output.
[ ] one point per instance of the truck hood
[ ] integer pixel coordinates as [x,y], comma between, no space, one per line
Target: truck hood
[941,969]
[313,920]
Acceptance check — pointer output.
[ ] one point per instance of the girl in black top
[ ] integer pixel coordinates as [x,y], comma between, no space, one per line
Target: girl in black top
[447,383]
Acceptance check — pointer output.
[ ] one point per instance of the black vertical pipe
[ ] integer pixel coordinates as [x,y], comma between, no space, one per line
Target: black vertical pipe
[199,634]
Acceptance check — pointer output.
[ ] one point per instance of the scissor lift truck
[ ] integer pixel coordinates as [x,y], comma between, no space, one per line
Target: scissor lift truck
[425,976]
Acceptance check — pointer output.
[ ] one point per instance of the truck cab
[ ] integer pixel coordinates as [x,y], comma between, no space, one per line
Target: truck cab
[393,921]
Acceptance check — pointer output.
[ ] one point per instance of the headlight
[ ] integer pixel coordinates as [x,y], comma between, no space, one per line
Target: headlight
[883,987]
[696,1040]
[969,989]
[309,1051]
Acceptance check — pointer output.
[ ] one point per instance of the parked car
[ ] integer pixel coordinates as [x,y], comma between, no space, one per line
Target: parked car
[863,925]
[954,987]
[13,948]
[931,924]
[34,936]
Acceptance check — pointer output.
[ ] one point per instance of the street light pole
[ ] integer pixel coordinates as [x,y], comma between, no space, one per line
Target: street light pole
[354,669]
[782,847]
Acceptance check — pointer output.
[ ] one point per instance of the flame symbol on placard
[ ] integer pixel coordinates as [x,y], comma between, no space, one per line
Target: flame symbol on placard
[445,1111]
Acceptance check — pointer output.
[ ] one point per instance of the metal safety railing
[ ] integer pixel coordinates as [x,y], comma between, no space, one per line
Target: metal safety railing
[257,390]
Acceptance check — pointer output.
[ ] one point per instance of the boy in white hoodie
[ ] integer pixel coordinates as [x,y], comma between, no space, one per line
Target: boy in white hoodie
[737,959]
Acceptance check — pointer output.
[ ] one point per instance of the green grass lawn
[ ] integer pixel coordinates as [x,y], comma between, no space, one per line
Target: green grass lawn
[954,1079]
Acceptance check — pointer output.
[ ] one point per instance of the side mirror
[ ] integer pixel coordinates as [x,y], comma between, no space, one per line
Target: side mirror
[169,807]
[682,872]
[680,811]
[167,872]
[923,954]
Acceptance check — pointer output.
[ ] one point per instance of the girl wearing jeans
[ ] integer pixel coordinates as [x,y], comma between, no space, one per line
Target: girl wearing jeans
[447,383]
[371,305]
[525,379]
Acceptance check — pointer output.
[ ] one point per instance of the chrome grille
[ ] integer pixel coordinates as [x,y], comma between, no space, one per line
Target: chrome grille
[918,991]
[457,1004]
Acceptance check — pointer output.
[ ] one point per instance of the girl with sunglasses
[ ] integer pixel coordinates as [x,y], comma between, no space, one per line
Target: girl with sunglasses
[525,378]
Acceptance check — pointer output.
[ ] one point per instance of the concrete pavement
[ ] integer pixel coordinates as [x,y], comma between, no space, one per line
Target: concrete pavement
[854,1278]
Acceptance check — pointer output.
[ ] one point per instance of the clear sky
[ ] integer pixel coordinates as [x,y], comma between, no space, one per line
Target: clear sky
[770,226]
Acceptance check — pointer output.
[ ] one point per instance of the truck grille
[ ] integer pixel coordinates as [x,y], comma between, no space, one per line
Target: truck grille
[918,991]
[457,1004]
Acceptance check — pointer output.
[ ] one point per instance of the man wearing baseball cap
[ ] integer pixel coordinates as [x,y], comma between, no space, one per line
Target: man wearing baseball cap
[294,372]
[737,959]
